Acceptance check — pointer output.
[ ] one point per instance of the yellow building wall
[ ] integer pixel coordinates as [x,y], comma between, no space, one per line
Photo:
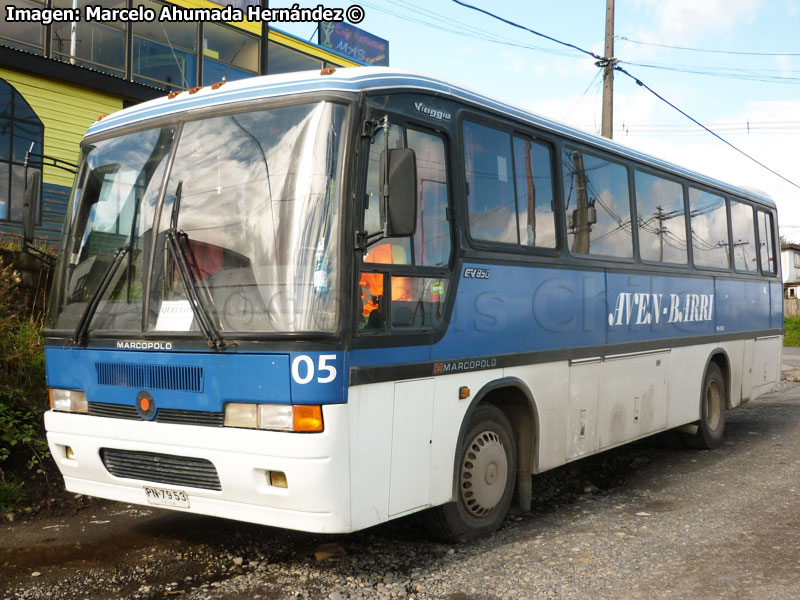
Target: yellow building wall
[66,111]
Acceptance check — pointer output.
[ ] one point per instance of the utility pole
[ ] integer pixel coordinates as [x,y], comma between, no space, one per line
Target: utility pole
[608,74]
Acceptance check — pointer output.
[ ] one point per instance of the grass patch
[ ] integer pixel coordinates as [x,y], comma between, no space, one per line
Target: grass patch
[12,496]
[791,332]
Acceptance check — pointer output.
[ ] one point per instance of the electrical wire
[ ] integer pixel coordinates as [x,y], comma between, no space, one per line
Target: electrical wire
[463,30]
[640,83]
[736,53]
[529,30]
[595,80]
[729,74]
[603,62]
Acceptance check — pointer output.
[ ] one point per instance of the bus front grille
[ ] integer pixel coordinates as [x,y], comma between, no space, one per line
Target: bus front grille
[161,468]
[157,377]
[163,415]
[115,411]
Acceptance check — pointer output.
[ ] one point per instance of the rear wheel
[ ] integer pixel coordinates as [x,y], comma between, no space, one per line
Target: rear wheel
[713,400]
[485,471]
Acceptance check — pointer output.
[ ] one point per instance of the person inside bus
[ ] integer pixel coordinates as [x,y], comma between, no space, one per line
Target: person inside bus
[373,310]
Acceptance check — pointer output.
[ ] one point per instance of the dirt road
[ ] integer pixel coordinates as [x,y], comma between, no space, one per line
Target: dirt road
[644,521]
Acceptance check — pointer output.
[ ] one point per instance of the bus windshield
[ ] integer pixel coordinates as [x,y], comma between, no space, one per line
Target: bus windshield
[237,226]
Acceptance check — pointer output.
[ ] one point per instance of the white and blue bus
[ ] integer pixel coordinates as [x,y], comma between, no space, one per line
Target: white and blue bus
[324,300]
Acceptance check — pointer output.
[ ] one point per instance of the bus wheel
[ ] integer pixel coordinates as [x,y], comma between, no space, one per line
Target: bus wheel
[486,471]
[712,411]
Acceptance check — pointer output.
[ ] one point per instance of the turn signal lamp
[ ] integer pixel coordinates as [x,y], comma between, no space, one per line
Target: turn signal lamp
[308,418]
[68,401]
[275,417]
[328,71]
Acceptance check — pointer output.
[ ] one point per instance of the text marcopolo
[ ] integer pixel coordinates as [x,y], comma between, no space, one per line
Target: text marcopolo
[173,13]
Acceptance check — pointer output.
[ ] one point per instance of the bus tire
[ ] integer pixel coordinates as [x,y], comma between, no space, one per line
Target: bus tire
[486,471]
[713,399]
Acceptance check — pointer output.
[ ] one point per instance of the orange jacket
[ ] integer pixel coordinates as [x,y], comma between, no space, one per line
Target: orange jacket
[386,254]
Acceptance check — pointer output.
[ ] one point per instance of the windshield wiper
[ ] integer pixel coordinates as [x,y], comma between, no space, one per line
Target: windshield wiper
[82,330]
[204,320]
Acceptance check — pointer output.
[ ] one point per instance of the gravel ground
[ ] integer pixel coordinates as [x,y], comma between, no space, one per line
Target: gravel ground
[648,520]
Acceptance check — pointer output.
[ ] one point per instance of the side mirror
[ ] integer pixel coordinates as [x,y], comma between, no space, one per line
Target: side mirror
[399,210]
[30,204]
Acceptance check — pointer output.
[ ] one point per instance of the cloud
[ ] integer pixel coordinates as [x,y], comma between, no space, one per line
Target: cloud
[704,154]
[777,146]
[686,20]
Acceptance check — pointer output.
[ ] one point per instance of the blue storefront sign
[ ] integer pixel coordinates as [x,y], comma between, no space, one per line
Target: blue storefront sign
[354,43]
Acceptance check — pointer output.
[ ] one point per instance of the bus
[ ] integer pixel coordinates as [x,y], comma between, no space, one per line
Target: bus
[324,300]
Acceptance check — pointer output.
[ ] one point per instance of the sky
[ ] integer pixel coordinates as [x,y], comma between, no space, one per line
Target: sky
[751,101]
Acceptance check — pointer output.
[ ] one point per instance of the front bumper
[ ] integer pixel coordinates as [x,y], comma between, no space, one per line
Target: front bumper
[316,466]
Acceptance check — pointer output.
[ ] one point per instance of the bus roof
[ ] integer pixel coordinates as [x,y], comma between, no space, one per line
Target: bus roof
[359,79]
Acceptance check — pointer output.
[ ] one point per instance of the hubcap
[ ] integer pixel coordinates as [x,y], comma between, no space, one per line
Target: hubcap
[484,472]
[713,405]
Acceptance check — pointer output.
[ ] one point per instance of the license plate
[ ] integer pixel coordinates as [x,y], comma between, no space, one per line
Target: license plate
[162,497]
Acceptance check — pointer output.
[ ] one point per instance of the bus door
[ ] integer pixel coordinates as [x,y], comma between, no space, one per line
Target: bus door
[402,287]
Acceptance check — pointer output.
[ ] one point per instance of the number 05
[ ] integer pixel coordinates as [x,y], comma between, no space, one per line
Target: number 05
[324,367]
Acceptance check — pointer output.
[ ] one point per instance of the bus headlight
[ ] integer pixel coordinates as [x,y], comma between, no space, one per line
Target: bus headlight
[276,417]
[68,401]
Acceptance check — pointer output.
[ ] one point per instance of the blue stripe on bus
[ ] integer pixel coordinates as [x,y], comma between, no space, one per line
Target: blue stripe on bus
[526,309]
[117,376]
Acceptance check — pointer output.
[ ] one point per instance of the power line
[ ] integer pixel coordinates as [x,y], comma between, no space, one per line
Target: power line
[583,95]
[737,53]
[529,30]
[722,72]
[602,62]
[698,123]
[464,30]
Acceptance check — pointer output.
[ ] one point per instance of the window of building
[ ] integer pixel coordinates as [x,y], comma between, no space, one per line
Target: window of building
[27,36]
[20,131]
[744,237]
[710,244]
[418,295]
[597,204]
[228,53]
[790,292]
[88,43]
[766,242]
[281,59]
[796,260]
[661,219]
[165,53]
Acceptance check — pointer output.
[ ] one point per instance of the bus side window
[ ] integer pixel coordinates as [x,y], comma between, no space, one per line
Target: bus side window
[744,237]
[490,184]
[661,219]
[766,242]
[535,205]
[710,243]
[597,204]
